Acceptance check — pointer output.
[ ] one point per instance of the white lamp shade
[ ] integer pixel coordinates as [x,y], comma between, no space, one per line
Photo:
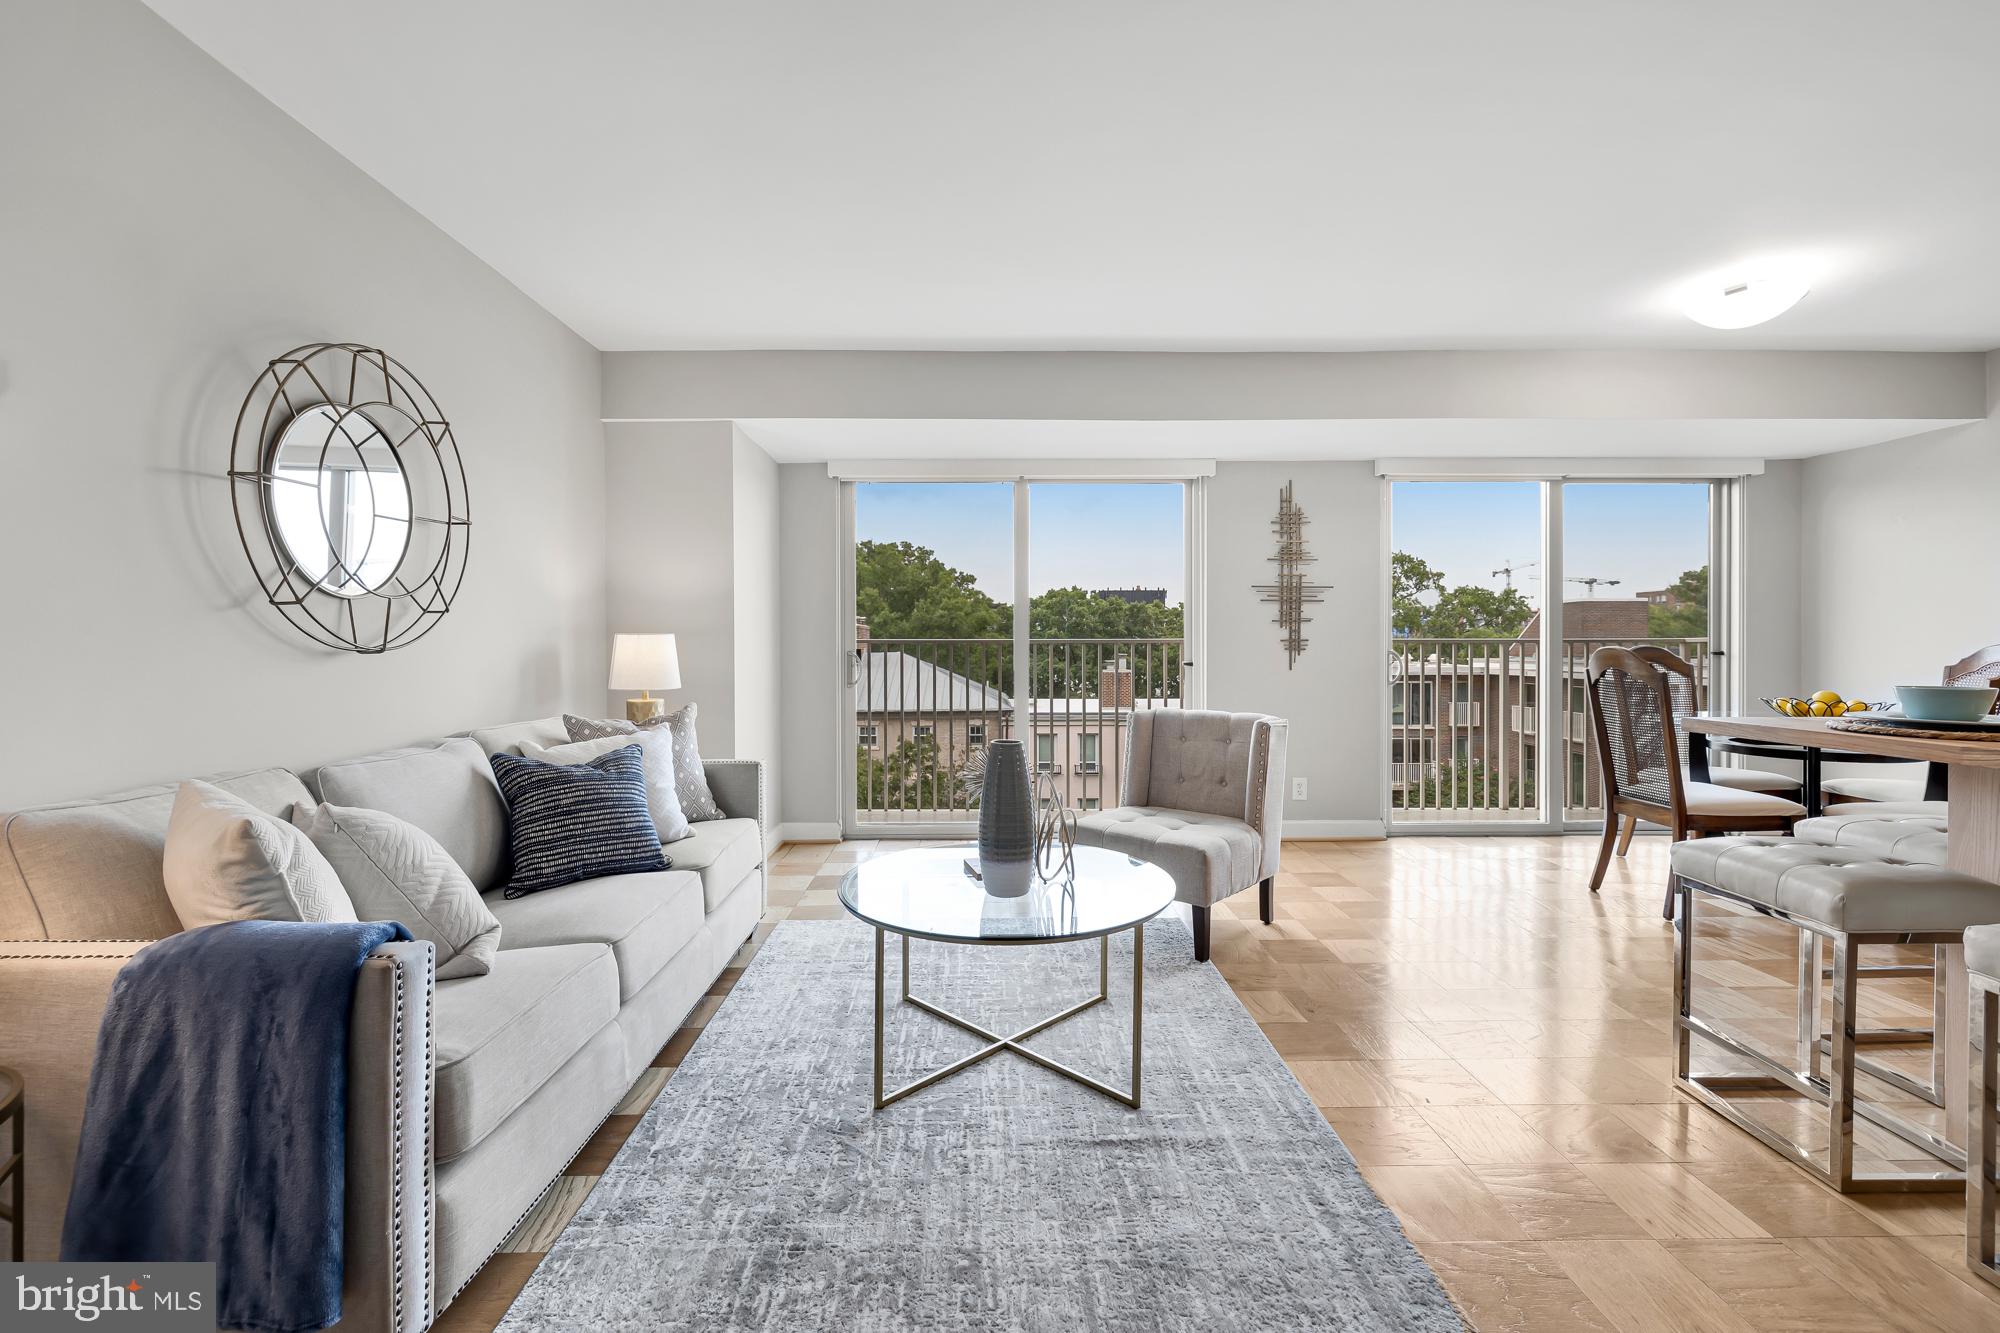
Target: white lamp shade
[644,662]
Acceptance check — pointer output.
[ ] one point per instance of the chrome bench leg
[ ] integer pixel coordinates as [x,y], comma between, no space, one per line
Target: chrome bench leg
[1835,1090]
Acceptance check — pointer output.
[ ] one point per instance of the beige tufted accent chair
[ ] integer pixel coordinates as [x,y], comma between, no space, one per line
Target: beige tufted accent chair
[1203,794]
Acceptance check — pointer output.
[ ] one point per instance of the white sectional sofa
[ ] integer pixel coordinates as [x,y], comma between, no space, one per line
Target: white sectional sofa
[466,1098]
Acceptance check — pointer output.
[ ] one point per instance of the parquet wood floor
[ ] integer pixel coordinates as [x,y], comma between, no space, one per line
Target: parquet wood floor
[1492,1043]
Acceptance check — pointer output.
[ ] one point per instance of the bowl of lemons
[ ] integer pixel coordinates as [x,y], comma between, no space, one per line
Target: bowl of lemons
[1826,703]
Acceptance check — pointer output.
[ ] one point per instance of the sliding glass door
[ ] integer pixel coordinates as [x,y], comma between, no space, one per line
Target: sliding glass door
[1500,591]
[1048,612]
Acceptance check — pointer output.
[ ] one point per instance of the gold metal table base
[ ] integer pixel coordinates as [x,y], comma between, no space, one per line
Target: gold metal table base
[997,1043]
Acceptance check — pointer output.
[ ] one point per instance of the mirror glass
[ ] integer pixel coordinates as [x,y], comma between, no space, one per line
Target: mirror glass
[339,502]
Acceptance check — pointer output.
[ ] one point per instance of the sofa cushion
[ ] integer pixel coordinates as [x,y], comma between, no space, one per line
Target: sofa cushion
[446,789]
[722,852]
[91,869]
[1208,856]
[691,779]
[508,739]
[570,822]
[501,1036]
[645,919]
[394,871]
[663,799]
[226,860]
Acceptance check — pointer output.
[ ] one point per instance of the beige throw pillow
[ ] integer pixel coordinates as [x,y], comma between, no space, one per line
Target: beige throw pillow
[394,871]
[226,860]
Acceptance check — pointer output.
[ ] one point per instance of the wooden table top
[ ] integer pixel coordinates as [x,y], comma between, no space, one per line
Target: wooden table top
[1814,733]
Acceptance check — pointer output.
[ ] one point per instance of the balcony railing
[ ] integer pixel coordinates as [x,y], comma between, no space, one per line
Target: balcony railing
[1448,765]
[964,692]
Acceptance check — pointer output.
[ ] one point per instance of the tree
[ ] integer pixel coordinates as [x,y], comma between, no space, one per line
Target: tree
[1688,617]
[1470,612]
[911,776]
[1071,671]
[1410,581]
[1466,784]
[905,591]
[1421,607]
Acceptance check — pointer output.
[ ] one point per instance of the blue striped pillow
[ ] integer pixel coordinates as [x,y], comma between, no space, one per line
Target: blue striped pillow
[568,822]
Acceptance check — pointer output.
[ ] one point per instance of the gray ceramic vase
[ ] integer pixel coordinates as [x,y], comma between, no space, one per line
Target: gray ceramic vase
[1007,821]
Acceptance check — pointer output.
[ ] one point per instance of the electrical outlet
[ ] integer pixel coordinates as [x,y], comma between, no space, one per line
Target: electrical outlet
[1298,789]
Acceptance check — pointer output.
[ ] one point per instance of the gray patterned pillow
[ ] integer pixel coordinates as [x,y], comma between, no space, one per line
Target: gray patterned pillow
[690,783]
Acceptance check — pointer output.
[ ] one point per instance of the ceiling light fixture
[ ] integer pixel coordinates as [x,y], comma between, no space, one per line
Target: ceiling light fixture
[1739,298]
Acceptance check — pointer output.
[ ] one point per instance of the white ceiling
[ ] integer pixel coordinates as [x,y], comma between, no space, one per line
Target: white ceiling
[794,440]
[1131,174]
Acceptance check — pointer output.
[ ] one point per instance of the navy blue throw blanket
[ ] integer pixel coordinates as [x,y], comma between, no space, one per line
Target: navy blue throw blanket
[216,1125]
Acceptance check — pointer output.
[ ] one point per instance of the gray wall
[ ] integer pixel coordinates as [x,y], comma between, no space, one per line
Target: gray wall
[1898,544]
[670,538]
[692,531]
[809,556]
[1266,386]
[164,231]
[1336,695]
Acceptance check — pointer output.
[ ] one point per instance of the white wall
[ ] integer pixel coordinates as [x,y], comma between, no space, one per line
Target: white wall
[1898,543]
[165,232]
[1336,694]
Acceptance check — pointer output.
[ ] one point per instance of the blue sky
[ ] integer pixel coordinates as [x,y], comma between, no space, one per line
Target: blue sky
[1087,535]
[1643,534]
[1120,535]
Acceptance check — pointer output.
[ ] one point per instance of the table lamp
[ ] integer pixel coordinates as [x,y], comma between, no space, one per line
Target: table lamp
[644,662]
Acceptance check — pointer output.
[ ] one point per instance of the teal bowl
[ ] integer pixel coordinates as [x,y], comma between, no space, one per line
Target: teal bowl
[1946,703]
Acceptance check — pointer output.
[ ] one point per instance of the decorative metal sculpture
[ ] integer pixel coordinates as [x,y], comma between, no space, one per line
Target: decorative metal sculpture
[1291,592]
[1055,832]
[350,497]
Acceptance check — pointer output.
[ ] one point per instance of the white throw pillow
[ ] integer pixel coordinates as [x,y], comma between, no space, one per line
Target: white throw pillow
[394,871]
[663,800]
[226,860]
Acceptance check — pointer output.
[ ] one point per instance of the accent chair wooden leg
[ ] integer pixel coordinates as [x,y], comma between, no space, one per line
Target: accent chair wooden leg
[1604,851]
[1267,901]
[1200,934]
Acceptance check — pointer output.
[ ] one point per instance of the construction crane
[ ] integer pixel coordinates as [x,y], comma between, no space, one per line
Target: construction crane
[1509,569]
[1592,583]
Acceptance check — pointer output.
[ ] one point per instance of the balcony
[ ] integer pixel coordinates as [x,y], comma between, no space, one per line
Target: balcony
[932,704]
[1448,766]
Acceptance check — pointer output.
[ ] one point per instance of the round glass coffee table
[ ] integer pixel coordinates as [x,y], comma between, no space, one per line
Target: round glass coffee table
[931,893]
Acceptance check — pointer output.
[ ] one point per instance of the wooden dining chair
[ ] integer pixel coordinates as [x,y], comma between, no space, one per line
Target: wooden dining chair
[1637,701]
[1979,668]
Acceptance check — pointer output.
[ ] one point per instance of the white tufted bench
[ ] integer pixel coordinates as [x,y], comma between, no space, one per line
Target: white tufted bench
[1982,1198]
[1202,798]
[1848,900]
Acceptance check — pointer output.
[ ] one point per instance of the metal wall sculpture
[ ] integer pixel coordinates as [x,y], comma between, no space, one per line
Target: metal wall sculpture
[350,497]
[1291,593]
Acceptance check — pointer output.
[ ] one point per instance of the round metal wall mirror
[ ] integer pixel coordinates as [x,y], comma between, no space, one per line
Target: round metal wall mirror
[338,500]
[350,497]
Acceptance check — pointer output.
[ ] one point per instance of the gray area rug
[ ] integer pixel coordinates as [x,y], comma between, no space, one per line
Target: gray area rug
[761,1192]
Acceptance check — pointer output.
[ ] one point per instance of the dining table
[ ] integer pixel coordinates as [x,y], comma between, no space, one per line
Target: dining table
[1973,845]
